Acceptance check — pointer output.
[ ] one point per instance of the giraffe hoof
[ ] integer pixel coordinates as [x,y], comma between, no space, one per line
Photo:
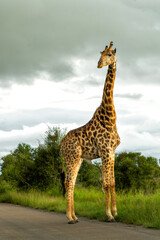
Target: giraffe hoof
[111,220]
[71,222]
[76,221]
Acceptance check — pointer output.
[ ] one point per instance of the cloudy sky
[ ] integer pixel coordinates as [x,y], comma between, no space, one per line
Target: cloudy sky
[49,51]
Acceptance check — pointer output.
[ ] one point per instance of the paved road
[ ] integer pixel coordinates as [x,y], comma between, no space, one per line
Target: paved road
[22,223]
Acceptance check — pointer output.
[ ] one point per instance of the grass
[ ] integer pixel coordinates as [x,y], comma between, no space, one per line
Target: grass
[139,208]
[35,199]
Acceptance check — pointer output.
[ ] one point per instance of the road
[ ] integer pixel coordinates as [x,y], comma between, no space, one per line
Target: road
[20,223]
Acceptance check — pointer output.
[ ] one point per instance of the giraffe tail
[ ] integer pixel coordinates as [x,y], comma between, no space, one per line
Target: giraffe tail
[62,175]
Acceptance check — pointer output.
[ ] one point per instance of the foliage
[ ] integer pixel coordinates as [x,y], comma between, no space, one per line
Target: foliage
[17,167]
[134,171]
[5,187]
[90,174]
[47,161]
[40,168]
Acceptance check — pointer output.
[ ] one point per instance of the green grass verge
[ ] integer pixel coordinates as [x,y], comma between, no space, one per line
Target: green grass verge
[139,209]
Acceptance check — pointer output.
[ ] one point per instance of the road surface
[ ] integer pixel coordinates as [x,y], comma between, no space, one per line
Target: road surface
[20,223]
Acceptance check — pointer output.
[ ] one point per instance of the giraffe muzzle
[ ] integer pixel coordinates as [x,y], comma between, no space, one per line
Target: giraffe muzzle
[99,65]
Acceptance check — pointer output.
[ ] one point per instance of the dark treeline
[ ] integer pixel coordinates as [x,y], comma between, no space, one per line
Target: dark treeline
[40,168]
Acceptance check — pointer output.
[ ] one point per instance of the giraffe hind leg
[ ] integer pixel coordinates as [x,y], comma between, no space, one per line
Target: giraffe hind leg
[68,185]
[71,175]
[74,180]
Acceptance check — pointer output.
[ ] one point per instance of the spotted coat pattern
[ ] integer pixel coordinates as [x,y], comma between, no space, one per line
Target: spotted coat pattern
[96,139]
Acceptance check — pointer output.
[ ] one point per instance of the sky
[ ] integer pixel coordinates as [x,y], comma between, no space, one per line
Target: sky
[49,76]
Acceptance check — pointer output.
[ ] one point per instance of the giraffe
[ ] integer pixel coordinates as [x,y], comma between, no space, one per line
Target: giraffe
[96,139]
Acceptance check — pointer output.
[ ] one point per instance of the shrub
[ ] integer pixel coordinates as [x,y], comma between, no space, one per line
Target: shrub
[5,187]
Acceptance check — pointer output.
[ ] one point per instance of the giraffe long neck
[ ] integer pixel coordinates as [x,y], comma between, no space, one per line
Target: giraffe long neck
[107,104]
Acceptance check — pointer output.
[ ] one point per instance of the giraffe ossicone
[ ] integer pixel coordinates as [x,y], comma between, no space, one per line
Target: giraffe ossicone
[96,139]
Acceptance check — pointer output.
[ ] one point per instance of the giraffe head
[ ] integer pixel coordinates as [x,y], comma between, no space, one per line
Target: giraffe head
[108,56]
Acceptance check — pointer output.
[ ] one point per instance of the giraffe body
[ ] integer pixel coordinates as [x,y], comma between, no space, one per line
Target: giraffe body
[96,139]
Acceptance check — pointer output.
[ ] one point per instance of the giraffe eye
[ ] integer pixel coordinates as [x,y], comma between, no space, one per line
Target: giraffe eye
[109,55]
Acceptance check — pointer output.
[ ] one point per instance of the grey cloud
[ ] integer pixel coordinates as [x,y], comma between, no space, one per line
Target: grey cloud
[44,36]
[16,120]
[93,97]
[143,70]
[139,135]
[151,126]
[139,142]
[92,81]
[129,95]
[131,120]
[143,5]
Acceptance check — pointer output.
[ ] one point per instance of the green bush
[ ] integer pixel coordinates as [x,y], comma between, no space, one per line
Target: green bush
[5,187]
[90,174]
[136,172]
[40,168]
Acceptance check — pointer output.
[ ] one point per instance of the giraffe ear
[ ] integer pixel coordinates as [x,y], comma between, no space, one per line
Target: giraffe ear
[114,51]
[101,52]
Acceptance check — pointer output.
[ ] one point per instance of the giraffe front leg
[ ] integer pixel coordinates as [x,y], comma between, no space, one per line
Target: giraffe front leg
[72,209]
[112,183]
[113,199]
[69,192]
[106,171]
[106,187]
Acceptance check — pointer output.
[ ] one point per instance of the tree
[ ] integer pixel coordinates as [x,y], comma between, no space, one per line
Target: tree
[134,171]
[90,174]
[47,162]
[40,168]
[17,167]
